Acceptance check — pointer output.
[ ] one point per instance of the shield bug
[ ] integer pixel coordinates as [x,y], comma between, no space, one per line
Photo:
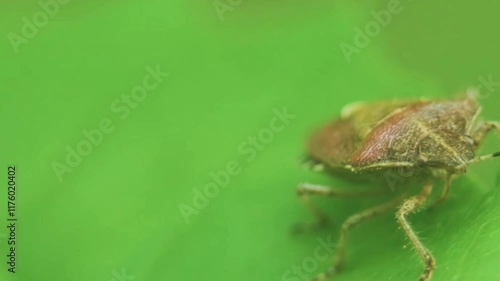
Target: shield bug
[424,140]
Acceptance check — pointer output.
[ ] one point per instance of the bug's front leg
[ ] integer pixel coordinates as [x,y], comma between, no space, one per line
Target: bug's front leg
[306,189]
[409,206]
[348,224]
[483,130]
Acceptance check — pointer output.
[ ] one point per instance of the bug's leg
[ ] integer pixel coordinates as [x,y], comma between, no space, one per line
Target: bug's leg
[320,218]
[356,219]
[409,206]
[444,193]
[481,132]
[306,189]
[311,164]
[349,223]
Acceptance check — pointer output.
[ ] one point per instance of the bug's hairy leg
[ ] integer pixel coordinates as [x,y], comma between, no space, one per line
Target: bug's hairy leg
[306,189]
[349,223]
[353,221]
[409,206]
[483,130]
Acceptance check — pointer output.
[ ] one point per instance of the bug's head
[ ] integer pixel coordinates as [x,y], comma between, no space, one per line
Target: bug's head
[445,150]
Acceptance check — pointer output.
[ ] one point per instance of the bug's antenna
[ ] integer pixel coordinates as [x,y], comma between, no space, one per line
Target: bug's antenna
[485,157]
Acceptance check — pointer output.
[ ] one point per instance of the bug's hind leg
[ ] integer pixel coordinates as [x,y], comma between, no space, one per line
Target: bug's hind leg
[349,223]
[408,207]
[483,130]
[306,189]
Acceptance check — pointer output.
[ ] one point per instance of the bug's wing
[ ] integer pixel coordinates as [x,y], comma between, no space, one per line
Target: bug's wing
[335,143]
[397,138]
[366,116]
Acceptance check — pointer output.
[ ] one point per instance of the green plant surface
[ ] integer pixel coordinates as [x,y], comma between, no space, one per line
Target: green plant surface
[122,213]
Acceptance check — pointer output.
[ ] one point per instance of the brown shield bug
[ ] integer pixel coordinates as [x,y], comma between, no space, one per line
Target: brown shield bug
[428,140]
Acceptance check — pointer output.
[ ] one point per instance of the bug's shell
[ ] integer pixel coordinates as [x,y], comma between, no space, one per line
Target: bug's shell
[394,134]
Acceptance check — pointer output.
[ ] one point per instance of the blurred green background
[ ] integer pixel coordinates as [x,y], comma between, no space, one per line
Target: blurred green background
[115,215]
